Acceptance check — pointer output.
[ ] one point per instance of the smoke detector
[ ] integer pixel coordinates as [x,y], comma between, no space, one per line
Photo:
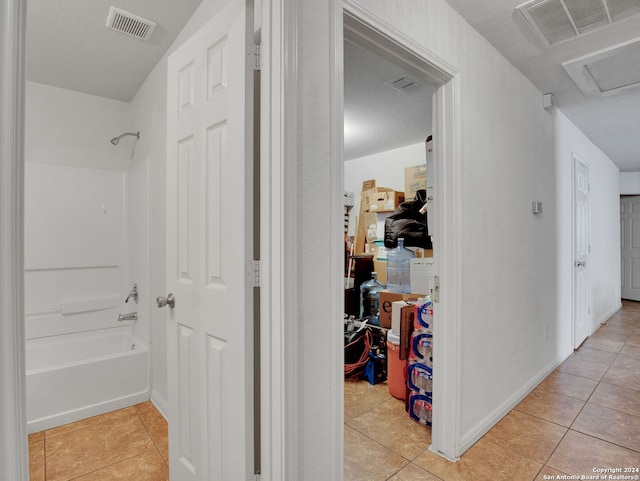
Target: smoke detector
[130,24]
[557,21]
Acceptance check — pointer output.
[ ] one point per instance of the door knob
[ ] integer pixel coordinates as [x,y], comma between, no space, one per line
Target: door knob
[580,264]
[170,301]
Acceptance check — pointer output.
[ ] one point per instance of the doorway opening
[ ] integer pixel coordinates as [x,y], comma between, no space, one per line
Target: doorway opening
[366,32]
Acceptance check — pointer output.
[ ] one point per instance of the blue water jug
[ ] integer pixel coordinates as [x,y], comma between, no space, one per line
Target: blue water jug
[399,268]
[370,300]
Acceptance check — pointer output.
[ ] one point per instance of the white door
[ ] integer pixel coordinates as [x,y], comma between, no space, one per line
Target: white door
[581,252]
[630,247]
[209,251]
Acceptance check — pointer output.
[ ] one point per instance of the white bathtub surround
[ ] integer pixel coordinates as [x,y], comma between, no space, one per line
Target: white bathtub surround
[86,244]
[75,376]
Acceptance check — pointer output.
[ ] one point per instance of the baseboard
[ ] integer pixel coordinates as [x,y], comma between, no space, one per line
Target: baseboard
[160,403]
[84,412]
[487,423]
[605,317]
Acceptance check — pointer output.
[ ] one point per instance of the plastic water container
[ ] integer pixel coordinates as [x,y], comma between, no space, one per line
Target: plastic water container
[395,368]
[420,377]
[423,318]
[370,300]
[422,347]
[399,268]
[421,408]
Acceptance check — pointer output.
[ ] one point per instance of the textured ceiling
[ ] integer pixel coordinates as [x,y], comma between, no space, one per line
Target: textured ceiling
[612,123]
[378,117]
[68,45]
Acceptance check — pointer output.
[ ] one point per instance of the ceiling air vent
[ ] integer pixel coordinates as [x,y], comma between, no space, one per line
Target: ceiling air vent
[130,24]
[403,84]
[557,21]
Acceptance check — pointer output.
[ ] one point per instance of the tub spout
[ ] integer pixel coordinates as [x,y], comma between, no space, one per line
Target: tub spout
[132,316]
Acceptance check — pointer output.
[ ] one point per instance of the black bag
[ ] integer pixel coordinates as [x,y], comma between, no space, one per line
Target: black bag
[407,222]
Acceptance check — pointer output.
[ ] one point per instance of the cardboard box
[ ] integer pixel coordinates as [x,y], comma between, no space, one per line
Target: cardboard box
[381,199]
[370,226]
[380,267]
[422,275]
[406,329]
[386,301]
[415,179]
[396,314]
[368,184]
[420,252]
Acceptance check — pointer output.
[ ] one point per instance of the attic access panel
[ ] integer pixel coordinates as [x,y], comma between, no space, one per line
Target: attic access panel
[608,71]
[557,21]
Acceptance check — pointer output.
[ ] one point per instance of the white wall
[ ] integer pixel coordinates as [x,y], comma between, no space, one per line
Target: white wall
[387,168]
[149,116]
[508,259]
[72,128]
[629,183]
[605,223]
[511,258]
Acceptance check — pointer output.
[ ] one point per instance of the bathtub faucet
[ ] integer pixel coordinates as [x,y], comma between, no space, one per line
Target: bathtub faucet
[132,316]
[133,293]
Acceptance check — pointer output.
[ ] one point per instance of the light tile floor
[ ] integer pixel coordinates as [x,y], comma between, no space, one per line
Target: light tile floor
[585,415]
[129,444]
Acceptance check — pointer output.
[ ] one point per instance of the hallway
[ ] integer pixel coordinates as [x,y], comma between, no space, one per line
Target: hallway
[585,415]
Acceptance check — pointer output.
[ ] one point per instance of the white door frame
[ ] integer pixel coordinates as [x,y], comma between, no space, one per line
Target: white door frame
[283,441]
[14,454]
[574,314]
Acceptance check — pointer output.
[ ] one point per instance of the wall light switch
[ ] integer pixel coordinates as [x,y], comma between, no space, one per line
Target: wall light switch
[536,207]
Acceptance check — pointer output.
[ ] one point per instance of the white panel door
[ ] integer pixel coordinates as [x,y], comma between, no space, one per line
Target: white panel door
[209,251]
[581,252]
[630,247]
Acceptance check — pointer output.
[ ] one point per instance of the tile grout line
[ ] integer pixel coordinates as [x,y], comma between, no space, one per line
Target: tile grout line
[589,398]
[153,440]
[108,466]
[569,429]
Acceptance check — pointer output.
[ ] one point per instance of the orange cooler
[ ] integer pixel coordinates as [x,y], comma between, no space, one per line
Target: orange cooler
[395,367]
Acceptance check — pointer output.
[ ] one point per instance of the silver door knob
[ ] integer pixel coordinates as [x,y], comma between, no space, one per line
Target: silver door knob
[170,301]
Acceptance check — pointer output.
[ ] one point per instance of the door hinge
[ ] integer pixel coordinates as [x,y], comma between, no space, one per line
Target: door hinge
[257,60]
[254,273]
[436,288]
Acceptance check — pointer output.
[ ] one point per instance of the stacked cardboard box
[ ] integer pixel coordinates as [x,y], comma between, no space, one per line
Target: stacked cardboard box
[415,179]
[373,200]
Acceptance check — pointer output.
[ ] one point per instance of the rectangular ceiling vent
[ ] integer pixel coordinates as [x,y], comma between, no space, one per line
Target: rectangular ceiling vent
[403,84]
[130,24]
[557,21]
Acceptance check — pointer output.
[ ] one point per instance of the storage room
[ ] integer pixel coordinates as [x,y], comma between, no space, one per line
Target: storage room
[388,271]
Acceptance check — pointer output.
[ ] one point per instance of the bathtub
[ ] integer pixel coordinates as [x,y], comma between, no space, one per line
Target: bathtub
[75,376]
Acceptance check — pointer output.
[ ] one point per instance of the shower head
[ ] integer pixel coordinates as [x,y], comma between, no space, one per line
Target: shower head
[115,140]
